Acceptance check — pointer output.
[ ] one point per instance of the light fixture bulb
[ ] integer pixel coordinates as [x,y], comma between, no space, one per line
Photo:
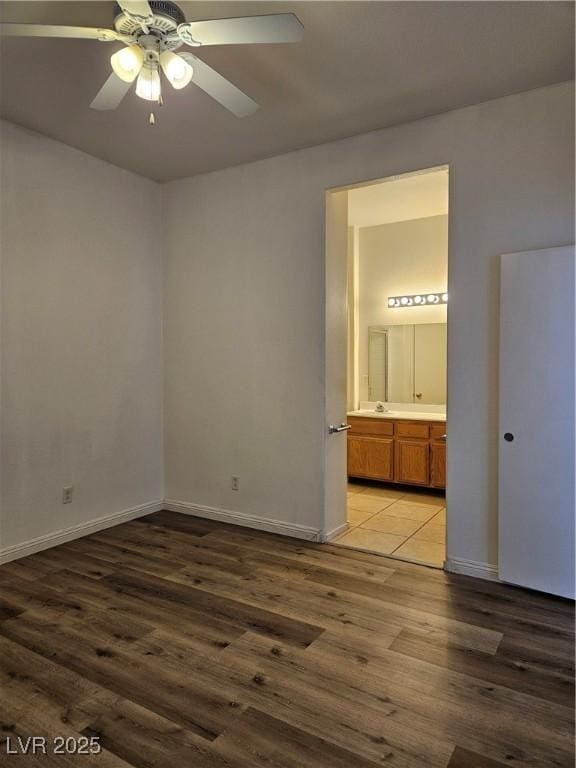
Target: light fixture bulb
[178,72]
[127,62]
[148,84]
[418,300]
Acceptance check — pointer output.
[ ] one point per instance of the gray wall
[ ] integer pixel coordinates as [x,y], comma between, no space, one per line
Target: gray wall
[81,338]
[244,314]
[244,304]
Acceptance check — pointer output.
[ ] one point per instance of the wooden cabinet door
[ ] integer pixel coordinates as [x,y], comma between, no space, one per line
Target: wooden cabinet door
[412,462]
[371,457]
[438,464]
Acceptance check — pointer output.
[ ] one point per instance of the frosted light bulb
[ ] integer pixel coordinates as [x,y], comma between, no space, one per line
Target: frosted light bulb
[127,62]
[445,297]
[178,72]
[148,84]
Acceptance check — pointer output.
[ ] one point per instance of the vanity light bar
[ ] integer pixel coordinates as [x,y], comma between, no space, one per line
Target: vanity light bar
[417,300]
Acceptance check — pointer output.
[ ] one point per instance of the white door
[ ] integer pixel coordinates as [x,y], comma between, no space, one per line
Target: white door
[537,428]
[335,361]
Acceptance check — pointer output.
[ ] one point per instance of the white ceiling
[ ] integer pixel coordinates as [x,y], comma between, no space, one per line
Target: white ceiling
[361,66]
[415,196]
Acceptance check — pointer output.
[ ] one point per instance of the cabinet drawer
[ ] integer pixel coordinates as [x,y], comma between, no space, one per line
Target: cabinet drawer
[437,431]
[362,426]
[411,429]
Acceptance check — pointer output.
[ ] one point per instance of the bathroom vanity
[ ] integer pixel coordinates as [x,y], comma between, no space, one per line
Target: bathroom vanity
[398,447]
[398,433]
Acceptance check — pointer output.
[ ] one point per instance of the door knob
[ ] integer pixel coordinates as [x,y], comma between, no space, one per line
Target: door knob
[508,436]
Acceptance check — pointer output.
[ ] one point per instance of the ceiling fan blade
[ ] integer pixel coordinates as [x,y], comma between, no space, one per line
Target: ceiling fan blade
[49,30]
[276,28]
[137,10]
[220,89]
[111,93]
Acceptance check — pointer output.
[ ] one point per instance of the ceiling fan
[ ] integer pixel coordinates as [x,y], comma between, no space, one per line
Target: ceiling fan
[151,31]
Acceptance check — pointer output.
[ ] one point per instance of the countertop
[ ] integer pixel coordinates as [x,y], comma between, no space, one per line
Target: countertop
[411,415]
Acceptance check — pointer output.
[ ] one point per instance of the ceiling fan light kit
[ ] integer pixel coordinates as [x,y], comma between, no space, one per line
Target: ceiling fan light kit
[151,31]
[127,62]
[141,61]
[148,85]
[178,72]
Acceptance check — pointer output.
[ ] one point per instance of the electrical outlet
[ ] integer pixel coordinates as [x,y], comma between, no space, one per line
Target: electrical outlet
[235,483]
[67,494]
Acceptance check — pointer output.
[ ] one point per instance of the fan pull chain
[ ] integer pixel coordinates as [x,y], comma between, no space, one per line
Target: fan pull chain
[152,118]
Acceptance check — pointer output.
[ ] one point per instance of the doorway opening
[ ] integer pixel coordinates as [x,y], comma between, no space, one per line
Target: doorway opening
[393,271]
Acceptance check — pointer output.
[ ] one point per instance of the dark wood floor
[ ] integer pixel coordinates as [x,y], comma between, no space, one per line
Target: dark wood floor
[182,643]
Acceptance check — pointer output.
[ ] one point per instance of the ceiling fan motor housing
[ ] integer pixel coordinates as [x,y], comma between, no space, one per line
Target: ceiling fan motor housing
[166,18]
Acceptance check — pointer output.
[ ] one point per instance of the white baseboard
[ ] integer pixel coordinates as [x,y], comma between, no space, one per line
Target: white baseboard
[472,568]
[297,531]
[240,518]
[76,531]
[333,534]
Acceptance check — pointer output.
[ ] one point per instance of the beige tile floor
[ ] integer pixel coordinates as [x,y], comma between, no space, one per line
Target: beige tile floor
[392,521]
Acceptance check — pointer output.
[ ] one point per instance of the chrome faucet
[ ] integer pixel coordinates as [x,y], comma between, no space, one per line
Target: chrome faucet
[380,407]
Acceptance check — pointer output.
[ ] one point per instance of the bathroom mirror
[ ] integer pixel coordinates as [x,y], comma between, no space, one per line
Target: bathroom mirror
[407,363]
